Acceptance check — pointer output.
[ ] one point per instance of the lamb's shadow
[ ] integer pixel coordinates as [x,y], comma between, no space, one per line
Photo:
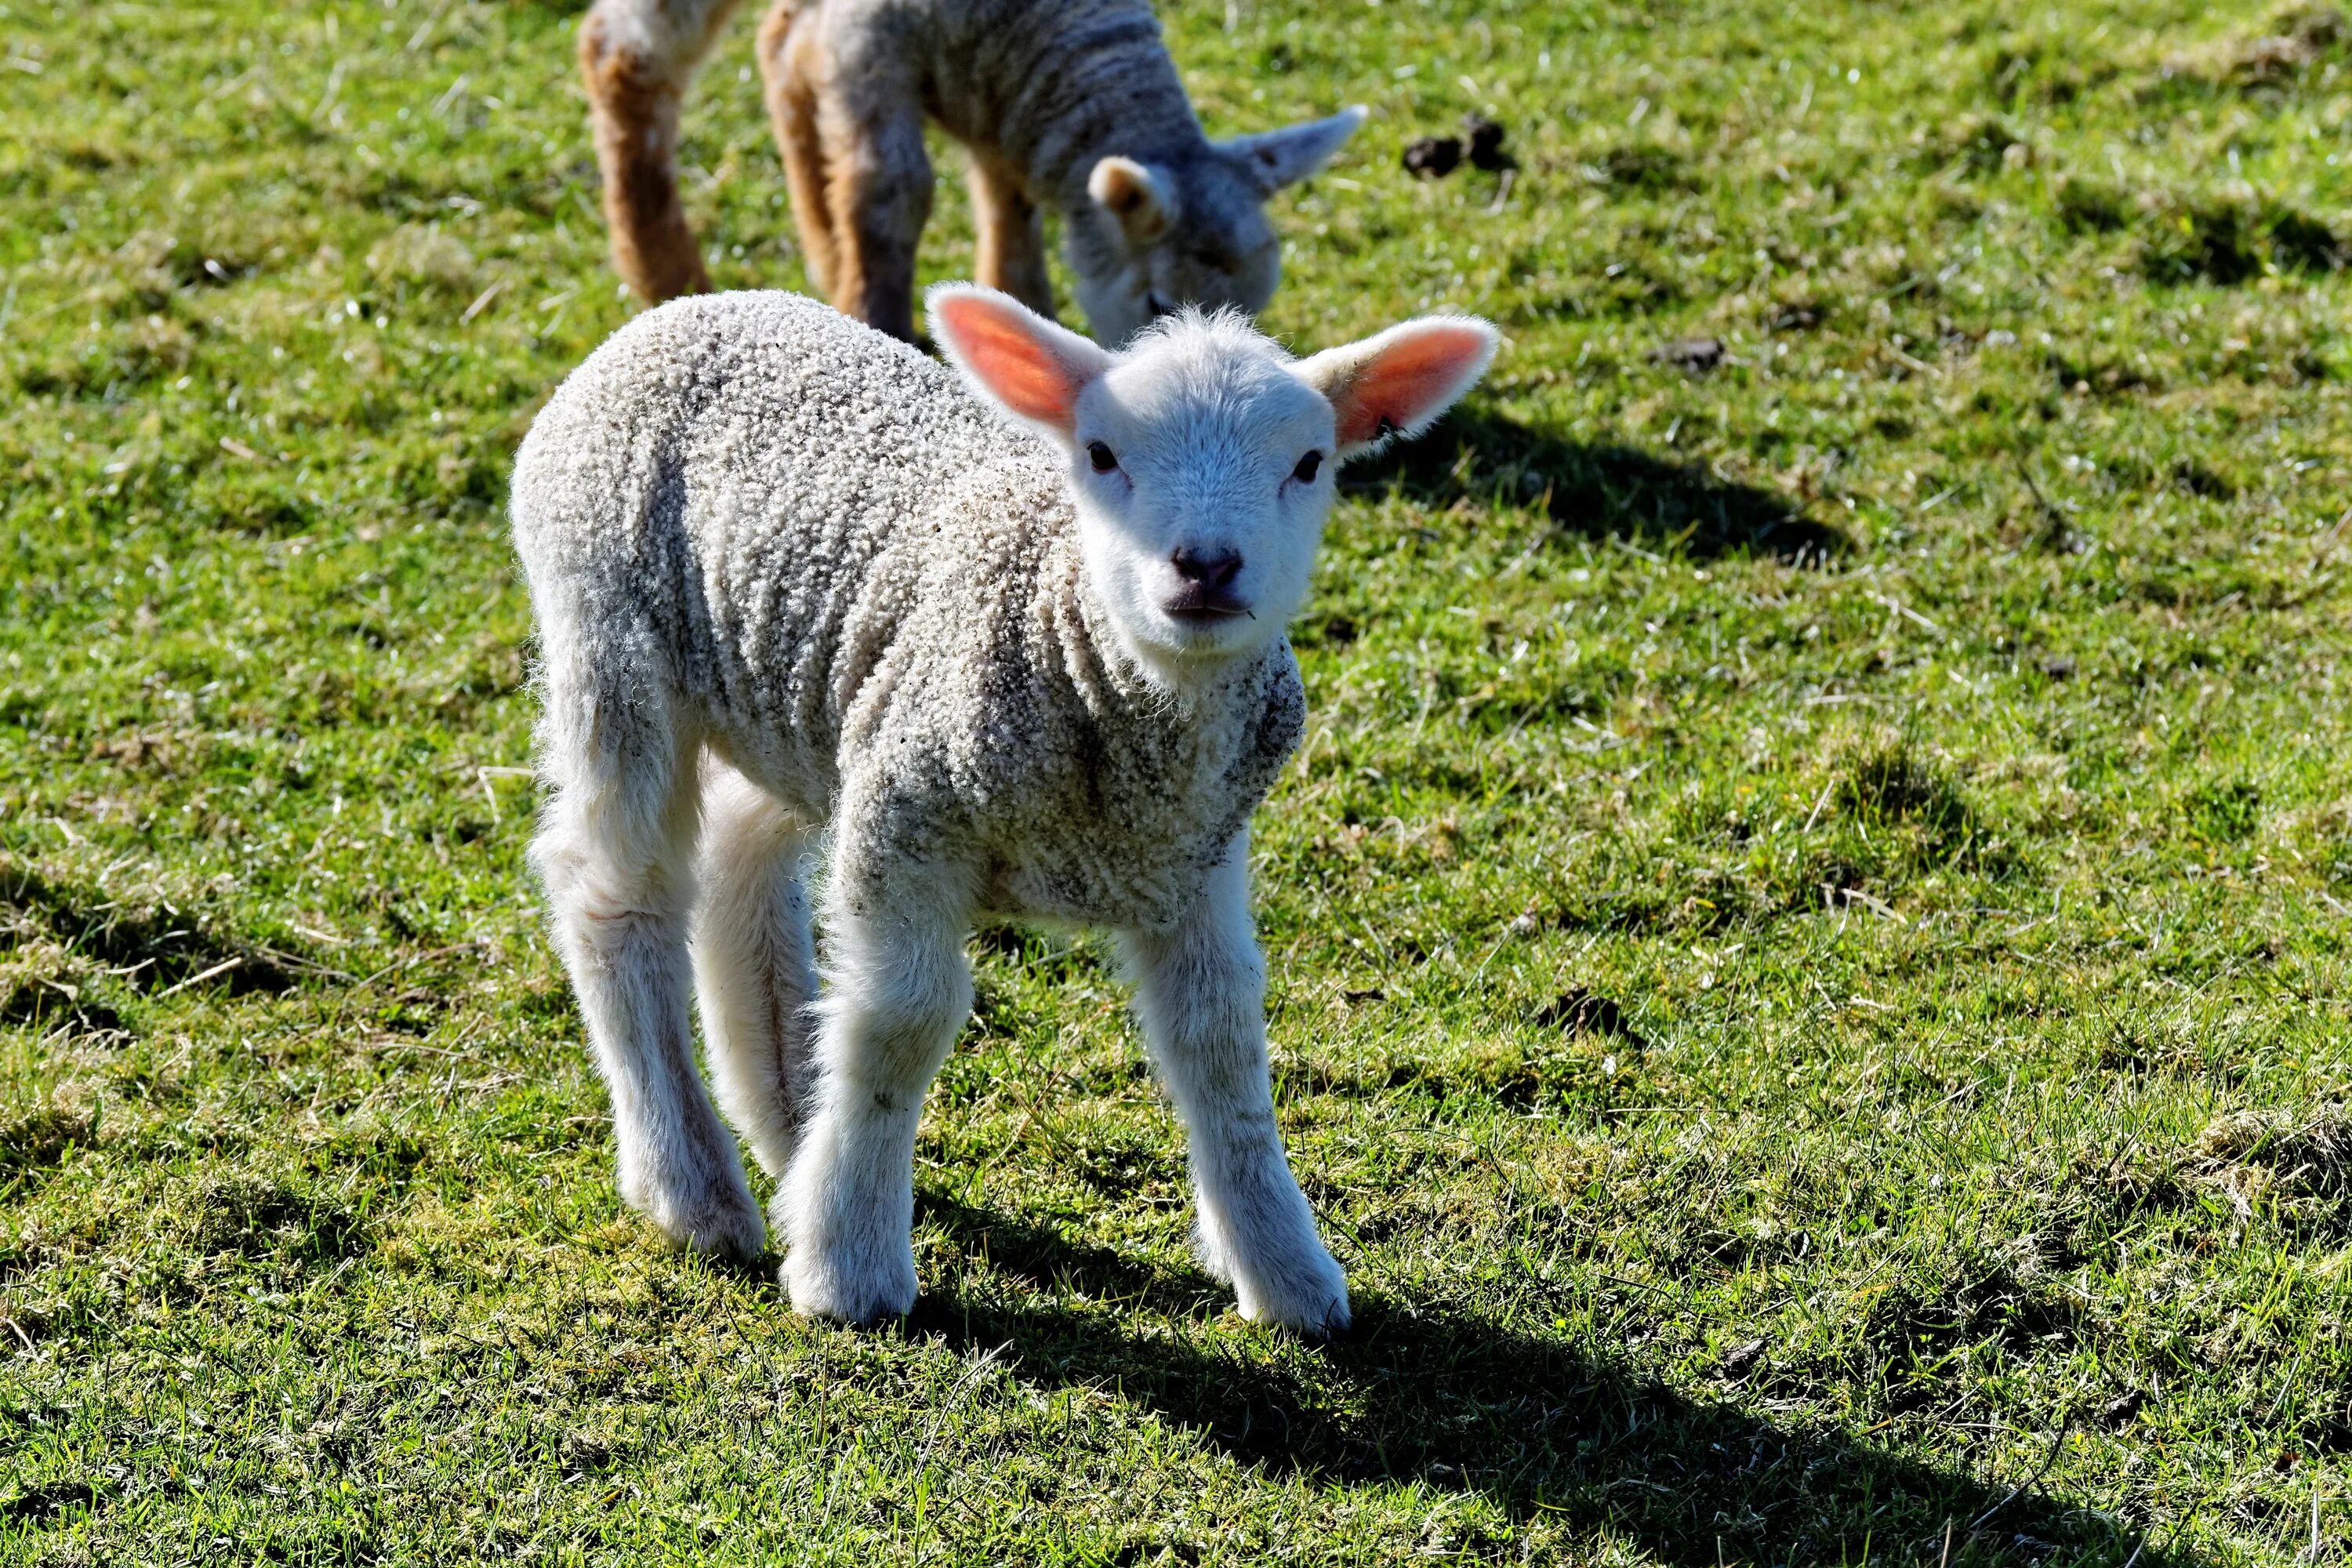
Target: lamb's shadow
[1597,490]
[1456,1404]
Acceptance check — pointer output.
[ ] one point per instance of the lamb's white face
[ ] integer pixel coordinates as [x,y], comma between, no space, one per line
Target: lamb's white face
[1202,469]
[1202,457]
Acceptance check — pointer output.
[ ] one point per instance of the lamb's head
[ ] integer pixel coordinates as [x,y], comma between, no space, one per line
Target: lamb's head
[1189,229]
[1201,457]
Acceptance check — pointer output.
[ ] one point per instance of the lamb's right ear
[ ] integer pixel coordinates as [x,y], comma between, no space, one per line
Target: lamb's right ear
[1398,382]
[1015,358]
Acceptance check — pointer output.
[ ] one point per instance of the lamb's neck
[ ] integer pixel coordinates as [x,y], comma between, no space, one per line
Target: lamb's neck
[1098,83]
[1114,682]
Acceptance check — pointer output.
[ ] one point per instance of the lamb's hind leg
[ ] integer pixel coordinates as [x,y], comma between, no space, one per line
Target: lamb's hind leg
[637,57]
[1200,989]
[754,970]
[1010,231]
[615,848]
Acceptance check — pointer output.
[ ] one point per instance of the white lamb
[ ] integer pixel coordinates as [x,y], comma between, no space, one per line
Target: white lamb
[1009,645]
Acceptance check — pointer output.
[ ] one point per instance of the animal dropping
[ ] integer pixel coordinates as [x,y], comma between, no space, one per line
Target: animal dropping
[1433,157]
[1487,144]
[1005,639]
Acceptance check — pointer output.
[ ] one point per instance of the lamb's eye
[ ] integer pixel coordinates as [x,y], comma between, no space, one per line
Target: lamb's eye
[1101,456]
[1308,467]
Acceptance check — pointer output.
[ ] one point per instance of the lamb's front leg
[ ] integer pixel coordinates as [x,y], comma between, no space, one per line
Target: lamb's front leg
[899,989]
[1201,990]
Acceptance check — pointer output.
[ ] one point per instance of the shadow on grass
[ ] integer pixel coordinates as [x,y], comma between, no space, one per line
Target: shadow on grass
[1452,1401]
[1597,491]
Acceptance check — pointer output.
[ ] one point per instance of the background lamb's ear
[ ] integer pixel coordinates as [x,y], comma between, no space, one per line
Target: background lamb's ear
[1398,382]
[1275,158]
[1141,197]
[1025,364]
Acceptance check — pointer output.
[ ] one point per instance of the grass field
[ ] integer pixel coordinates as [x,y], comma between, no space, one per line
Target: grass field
[1809,935]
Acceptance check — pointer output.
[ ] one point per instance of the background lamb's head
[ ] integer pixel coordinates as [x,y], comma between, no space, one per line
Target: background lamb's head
[1202,457]
[1191,230]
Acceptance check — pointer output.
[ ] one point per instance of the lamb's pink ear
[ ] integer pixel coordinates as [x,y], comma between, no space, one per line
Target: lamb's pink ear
[1398,382]
[1012,355]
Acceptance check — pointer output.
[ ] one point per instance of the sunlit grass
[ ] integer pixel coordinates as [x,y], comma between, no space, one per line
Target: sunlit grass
[1806,932]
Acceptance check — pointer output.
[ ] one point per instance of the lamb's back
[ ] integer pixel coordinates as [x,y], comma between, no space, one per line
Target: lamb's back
[711,401]
[729,473]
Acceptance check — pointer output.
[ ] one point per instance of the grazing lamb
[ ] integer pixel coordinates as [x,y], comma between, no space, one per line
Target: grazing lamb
[1012,644]
[1072,105]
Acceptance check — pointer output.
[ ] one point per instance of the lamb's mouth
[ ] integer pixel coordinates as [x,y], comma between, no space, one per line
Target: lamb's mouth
[1200,610]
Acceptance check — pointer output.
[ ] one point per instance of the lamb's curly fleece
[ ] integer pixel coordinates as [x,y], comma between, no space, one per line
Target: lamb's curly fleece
[791,575]
[862,584]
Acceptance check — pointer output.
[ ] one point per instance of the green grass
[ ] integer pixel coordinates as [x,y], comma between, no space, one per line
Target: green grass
[1809,933]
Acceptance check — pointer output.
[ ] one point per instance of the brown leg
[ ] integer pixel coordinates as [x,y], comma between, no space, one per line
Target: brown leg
[785,64]
[636,56]
[879,189]
[1011,249]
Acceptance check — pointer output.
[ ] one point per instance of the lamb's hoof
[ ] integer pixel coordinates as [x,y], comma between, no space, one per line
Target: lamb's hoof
[719,1221]
[1309,1297]
[848,1290]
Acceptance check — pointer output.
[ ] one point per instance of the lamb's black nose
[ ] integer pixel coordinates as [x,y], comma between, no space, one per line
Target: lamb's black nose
[1213,570]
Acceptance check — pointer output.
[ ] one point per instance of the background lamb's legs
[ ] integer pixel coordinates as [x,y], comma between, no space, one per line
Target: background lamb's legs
[899,990]
[636,57]
[754,967]
[1201,990]
[879,194]
[1009,253]
[615,848]
[786,53]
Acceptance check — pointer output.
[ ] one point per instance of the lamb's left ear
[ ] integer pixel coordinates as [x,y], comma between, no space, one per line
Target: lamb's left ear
[1275,158]
[1027,365]
[1398,382]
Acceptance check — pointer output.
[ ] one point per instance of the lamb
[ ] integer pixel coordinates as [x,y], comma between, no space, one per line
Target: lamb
[1004,639]
[1071,106]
